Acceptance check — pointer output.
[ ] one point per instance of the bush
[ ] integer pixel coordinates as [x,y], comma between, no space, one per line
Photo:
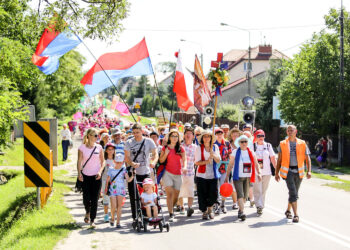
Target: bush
[229,111]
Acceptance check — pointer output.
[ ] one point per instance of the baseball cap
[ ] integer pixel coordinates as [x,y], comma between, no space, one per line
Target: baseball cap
[119,158]
[147,181]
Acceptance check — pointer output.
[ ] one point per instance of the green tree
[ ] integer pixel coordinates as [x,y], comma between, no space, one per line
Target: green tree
[11,108]
[93,19]
[60,93]
[309,94]
[140,90]
[229,111]
[267,88]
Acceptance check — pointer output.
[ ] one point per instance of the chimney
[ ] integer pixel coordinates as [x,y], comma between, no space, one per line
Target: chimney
[265,49]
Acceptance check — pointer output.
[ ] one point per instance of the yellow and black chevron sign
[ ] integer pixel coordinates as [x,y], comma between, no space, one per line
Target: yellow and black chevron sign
[37,154]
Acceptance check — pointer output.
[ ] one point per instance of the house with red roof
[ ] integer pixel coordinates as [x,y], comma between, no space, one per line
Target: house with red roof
[237,88]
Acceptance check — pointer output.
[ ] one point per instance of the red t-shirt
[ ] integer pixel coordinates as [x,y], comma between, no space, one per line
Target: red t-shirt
[173,164]
[324,145]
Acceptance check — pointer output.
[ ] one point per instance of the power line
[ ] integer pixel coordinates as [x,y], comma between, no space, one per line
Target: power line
[226,30]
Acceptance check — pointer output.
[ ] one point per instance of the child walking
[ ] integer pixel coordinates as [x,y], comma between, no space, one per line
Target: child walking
[117,188]
[149,199]
[109,156]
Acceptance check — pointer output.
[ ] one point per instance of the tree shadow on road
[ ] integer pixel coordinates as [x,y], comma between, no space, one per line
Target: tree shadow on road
[269,224]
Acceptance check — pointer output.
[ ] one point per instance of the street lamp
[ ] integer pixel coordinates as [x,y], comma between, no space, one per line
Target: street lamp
[249,50]
[183,40]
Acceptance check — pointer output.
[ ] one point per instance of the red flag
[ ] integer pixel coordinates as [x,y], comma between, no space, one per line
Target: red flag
[201,91]
[183,89]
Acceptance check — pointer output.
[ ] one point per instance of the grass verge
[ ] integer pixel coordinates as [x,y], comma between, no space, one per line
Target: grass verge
[13,155]
[339,184]
[144,120]
[25,227]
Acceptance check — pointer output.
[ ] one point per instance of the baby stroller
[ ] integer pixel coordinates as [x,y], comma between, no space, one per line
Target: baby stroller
[141,220]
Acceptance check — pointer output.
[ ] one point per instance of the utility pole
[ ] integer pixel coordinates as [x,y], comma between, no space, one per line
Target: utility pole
[249,67]
[341,88]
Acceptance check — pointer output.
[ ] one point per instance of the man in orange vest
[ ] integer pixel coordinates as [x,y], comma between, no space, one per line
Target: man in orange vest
[292,155]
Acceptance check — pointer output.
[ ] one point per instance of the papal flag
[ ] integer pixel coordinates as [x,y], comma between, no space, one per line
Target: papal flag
[201,91]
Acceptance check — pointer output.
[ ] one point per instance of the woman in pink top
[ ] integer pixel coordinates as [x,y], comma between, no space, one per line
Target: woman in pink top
[90,167]
[175,156]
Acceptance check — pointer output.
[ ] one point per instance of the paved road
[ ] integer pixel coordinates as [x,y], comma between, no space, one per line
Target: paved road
[324,224]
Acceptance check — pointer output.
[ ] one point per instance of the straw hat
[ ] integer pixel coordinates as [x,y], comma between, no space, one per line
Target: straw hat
[166,138]
[206,132]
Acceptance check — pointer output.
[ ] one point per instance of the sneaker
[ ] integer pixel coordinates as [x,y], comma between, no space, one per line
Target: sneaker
[178,208]
[216,209]
[211,215]
[259,210]
[223,209]
[190,211]
[106,218]
[252,203]
[241,216]
[205,216]
[171,218]
[182,210]
[234,207]
[111,222]
[92,225]
[119,226]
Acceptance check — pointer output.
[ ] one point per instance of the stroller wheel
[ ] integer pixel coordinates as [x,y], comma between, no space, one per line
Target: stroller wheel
[134,224]
[138,227]
[160,226]
[167,227]
[145,227]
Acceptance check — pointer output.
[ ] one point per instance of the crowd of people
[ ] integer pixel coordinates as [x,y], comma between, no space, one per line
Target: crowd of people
[184,162]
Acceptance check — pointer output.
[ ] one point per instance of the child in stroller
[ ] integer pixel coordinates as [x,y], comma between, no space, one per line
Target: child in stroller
[149,200]
[148,204]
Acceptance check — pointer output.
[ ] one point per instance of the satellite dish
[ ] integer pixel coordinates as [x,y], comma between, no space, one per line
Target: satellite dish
[248,101]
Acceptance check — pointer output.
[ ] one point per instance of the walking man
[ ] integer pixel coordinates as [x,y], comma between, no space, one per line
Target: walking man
[292,155]
[137,156]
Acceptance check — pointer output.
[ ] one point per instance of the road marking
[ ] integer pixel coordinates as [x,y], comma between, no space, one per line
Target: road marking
[325,232]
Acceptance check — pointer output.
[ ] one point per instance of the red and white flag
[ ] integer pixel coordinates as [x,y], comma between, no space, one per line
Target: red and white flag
[183,88]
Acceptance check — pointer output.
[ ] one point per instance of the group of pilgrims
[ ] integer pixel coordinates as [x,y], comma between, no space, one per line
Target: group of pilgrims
[180,162]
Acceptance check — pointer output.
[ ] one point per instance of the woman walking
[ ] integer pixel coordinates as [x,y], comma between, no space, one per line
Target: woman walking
[245,165]
[173,153]
[265,156]
[90,166]
[207,158]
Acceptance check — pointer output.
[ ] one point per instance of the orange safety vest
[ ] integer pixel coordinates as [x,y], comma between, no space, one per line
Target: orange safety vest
[300,150]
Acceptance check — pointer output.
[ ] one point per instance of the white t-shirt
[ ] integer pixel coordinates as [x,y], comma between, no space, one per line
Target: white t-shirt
[149,197]
[65,134]
[263,153]
[245,165]
[209,171]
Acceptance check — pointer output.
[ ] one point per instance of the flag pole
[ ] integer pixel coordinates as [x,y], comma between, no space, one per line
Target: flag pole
[104,72]
[107,76]
[216,104]
[159,97]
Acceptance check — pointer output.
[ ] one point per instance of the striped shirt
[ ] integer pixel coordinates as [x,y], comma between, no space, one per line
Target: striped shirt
[119,148]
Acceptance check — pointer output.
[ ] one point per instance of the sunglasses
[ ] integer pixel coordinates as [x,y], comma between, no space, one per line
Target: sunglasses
[243,142]
[260,136]
[95,136]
